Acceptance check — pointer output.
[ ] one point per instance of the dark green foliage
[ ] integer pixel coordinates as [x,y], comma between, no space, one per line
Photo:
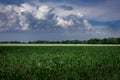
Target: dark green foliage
[91,41]
[60,63]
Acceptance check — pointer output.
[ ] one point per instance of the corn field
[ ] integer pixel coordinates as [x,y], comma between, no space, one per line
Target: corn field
[59,62]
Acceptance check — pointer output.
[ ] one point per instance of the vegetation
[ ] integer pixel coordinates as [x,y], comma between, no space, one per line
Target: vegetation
[59,63]
[91,41]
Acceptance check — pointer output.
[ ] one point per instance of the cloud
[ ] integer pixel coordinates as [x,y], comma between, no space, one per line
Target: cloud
[12,1]
[49,18]
[39,12]
[107,10]
[40,18]
[105,31]
[13,18]
[25,7]
[104,10]
[66,7]
[16,17]
[42,12]
[64,23]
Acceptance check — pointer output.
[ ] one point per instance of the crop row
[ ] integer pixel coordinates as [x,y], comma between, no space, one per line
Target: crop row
[59,62]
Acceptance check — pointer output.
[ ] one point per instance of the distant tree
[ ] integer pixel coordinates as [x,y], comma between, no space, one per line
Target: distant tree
[94,41]
[118,40]
[90,41]
[113,40]
[110,41]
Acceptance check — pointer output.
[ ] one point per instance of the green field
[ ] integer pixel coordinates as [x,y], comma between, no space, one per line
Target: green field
[59,62]
[59,45]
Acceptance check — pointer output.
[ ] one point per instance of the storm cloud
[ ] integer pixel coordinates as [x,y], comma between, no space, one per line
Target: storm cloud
[69,19]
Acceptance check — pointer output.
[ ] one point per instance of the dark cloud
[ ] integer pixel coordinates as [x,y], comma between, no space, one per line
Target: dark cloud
[40,18]
[78,2]
[66,7]
[28,20]
[92,1]
[17,2]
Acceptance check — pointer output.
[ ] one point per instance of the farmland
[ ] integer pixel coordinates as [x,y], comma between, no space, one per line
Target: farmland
[59,62]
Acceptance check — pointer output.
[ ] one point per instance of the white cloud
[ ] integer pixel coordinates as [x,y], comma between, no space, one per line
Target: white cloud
[17,17]
[80,15]
[64,23]
[43,17]
[42,12]
[107,11]
[14,18]
[46,19]
[23,22]
[25,7]
[87,24]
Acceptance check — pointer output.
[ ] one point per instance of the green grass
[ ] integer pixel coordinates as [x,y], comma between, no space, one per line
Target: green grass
[59,44]
[59,62]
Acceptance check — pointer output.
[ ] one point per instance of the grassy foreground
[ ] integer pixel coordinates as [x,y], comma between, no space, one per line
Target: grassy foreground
[59,44]
[59,62]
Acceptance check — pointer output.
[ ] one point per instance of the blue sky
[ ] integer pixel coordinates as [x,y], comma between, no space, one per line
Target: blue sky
[28,20]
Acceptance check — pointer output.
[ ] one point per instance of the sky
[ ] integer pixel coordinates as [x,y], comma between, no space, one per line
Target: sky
[31,20]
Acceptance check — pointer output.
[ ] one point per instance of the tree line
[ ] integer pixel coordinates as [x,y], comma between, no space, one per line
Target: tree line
[90,41]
